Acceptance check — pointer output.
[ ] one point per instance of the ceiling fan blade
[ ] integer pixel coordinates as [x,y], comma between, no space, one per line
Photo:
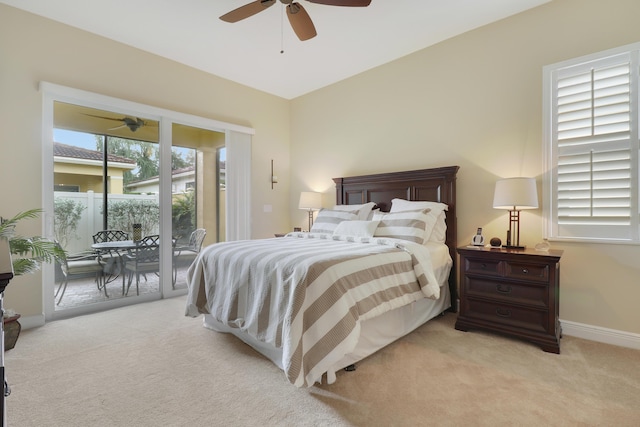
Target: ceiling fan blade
[247,10]
[301,22]
[102,117]
[351,3]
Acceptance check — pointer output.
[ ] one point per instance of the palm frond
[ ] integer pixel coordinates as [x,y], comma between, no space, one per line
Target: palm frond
[25,266]
[29,252]
[7,227]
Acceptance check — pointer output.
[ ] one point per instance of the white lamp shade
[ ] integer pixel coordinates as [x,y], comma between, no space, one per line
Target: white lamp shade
[310,200]
[516,194]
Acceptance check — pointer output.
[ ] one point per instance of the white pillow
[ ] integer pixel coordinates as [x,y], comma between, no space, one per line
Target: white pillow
[399,205]
[439,232]
[436,230]
[407,225]
[364,210]
[356,228]
[328,220]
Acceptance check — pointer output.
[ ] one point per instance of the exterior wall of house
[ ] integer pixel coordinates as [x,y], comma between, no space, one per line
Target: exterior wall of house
[83,182]
[475,101]
[88,177]
[35,49]
[180,183]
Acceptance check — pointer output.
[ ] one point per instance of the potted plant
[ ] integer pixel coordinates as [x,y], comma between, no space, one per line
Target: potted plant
[27,254]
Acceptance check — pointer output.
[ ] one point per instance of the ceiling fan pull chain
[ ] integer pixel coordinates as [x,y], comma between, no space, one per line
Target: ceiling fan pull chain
[282,8]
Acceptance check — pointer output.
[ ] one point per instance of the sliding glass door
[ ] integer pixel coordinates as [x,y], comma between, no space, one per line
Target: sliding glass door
[140,172]
[197,193]
[105,180]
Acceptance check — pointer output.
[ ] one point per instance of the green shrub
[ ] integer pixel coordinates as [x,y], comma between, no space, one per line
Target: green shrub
[67,214]
[124,213]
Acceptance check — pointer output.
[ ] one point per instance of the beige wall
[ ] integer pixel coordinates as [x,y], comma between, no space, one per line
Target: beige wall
[475,101]
[33,49]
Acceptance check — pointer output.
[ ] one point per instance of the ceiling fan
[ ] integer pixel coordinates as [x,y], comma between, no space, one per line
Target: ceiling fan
[132,124]
[298,16]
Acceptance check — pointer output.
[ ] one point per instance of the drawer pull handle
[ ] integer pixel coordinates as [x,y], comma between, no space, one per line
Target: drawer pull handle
[503,289]
[483,266]
[503,312]
[525,271]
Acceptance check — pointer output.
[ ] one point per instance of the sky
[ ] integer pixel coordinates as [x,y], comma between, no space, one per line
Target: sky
[79,139]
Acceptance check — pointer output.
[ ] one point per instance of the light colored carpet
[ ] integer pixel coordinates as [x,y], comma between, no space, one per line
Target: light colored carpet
[148,365]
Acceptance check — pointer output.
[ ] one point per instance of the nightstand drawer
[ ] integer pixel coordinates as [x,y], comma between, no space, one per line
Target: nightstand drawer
[527,271]
[507,292]
[517,317]
[482,267]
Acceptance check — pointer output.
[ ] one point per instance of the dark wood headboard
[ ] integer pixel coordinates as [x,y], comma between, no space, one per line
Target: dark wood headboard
[437,185]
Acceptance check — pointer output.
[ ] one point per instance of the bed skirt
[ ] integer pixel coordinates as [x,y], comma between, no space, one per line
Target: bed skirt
[375,334]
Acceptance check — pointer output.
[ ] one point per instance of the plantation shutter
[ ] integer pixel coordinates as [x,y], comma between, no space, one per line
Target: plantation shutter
[595,141]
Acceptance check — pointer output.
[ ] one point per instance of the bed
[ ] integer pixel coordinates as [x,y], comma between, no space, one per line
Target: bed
[369,272]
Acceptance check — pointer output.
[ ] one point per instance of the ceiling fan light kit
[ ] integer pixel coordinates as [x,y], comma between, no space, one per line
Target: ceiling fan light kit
[298,17]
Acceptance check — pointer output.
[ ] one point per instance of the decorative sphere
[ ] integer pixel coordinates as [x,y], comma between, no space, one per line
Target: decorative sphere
[495,242]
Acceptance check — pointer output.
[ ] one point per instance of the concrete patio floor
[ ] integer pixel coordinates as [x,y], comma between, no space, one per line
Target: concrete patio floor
[84,291]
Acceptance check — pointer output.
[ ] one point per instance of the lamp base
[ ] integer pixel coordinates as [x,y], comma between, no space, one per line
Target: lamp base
[513,247]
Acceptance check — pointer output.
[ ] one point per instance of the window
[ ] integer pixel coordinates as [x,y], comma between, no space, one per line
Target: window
[591,147]
[68,188]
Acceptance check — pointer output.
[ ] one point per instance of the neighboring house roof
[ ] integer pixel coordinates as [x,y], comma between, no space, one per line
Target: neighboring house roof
[156,178]
[70,151]
[182,171]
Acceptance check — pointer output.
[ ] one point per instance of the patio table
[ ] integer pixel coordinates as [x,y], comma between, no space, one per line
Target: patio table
[120,247]
[115,265]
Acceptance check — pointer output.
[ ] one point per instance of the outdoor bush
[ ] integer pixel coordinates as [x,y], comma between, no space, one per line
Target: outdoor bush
[183,212]
[67,214]
[124,213]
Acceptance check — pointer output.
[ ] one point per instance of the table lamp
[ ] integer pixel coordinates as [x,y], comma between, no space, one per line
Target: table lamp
[515,194]
[310,201]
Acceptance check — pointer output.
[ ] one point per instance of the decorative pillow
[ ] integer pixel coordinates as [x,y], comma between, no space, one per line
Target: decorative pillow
[407,225]
[436,230]
[364,210]
[356,228]
[328,220]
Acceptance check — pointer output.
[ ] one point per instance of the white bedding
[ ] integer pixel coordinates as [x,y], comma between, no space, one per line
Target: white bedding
[271,298]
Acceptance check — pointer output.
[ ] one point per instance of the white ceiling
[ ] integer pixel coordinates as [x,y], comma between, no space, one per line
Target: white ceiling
[350,40]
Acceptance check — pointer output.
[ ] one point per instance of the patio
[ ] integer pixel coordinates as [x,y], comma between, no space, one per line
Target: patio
[83,291]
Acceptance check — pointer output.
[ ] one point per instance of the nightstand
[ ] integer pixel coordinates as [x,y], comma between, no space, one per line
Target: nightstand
[513,292]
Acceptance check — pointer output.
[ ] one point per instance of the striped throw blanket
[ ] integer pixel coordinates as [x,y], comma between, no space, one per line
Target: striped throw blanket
[307,293]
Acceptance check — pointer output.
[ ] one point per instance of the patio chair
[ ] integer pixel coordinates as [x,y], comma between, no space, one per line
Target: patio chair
[110,259]
[145,258]
[81,264]
[195,244]
[110,236]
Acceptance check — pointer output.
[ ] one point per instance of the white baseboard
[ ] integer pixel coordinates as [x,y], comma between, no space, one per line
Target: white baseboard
[574,329]
[28,322]
[599,334]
